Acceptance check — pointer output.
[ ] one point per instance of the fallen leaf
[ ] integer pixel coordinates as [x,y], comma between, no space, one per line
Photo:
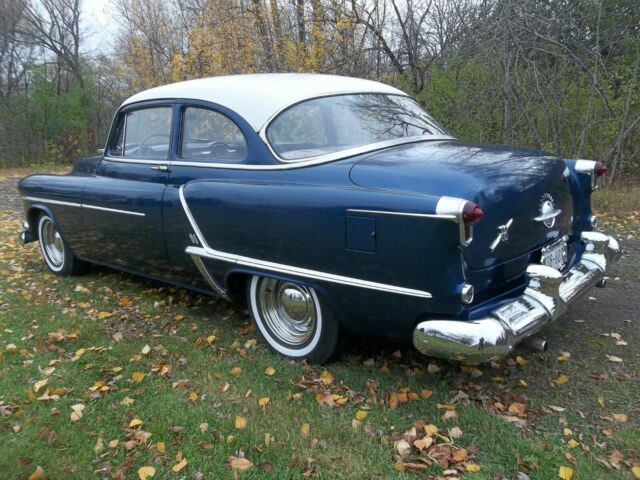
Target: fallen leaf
[126,401]
[565,473]
[160,447]
[179,466]
[572,443]
[235,371]
[561,380]
[620,417]
[304,430]
[137,377]
[521,361]
[240,422]
[455,432]
[37,473]
[636,471]
[270,371]
[39,384]
[77,411]
[326,377]
[564,356]
[472,468]
[145,350]
[426,394]
[555,408]
[613,358]
[601,400]
[263,401]
[135,422]
[361,415]
[203,427]
[146,472]
[240,463]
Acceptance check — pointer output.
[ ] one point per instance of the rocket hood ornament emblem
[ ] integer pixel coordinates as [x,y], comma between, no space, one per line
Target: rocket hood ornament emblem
[503,235]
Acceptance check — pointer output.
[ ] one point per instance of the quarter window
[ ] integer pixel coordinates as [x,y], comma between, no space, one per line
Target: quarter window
[210,136]
[144,134]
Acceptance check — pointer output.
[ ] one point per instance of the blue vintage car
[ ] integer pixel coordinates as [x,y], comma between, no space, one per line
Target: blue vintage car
[329,204]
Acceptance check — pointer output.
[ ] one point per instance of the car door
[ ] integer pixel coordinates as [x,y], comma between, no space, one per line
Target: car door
[208,139]
[123,201]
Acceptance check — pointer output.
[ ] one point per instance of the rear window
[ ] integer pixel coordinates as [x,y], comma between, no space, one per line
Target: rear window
[330,124]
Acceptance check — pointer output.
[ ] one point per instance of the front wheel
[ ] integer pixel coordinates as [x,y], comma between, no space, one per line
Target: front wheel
[291,319]
[55,251]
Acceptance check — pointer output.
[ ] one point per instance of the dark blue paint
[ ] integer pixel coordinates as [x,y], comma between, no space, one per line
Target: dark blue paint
[299,217]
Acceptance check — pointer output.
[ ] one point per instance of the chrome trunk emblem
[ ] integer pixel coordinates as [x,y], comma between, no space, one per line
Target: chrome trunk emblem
[503,235]
[548,211]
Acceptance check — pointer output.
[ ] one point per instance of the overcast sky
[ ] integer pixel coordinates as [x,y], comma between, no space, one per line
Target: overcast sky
[99,25]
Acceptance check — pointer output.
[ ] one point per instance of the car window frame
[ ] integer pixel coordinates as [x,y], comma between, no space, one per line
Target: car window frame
[124,112]
[179,159]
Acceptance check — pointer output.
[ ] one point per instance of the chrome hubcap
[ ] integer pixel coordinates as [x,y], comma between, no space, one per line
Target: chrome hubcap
[288,310]
[52,243]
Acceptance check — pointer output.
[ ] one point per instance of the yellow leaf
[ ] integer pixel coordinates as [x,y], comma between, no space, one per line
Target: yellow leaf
[203,427]
[145,350]
[304,430]
[523,383]
[240,422]
[564,356]
[116,369]
[193,396]
[572,443]
[104,315]
[326,377]
[601,400]
[426,394]
[230,439]
[567,432]
[473,468]
[39,384]
[160,447]
[135,422]
[561,380]
[37,473]
[235,371]
[146,472]
[263,401]
[113,443]
[270,371]
[565,473]
[178,318]
[267,439]
[521,361]
[137,377]
[126,401]
[179,466]
[636,471]
[430,430]
[361,415]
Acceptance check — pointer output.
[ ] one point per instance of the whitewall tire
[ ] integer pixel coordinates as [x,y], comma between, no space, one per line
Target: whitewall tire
[291,319]
[55,251]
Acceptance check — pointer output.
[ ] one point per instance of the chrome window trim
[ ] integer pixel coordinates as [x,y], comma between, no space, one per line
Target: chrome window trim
[262,132]
[83,205]
[209,252]
[287,165]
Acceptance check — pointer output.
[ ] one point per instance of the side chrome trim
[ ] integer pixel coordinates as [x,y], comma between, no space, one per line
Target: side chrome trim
[215,286]
[207,252]
[404,214]
[83,205]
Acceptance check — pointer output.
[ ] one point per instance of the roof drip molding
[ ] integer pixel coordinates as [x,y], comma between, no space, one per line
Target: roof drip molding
[257,97]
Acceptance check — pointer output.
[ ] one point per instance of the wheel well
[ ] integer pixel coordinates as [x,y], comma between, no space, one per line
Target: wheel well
[237,285]
[32,218]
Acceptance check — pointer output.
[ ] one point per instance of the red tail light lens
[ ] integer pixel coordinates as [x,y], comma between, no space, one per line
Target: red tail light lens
[471,213]
[600,169]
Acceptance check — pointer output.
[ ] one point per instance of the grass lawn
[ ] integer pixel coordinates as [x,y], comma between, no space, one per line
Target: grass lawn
[105,374]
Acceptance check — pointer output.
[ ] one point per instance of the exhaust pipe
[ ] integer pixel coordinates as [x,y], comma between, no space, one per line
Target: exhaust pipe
[537,344]
[602,282]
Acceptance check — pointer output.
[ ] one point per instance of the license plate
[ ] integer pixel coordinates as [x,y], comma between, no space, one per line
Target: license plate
[555,255]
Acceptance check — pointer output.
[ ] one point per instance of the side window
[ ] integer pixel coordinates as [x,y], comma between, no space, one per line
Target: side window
[210,136]
[143,134]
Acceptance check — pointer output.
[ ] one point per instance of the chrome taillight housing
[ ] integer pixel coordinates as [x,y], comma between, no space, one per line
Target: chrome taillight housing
[592,170]
[464,212]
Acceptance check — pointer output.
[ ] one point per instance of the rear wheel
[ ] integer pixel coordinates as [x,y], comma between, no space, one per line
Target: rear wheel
[291,319]
[55,251]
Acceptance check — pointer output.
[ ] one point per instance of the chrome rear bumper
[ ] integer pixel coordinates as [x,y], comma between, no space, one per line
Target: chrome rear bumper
[545,299]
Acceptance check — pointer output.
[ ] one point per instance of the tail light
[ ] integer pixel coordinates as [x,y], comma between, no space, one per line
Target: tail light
[472,213]
[600,169]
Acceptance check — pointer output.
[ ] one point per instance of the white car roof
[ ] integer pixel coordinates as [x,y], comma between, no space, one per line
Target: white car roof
[258,97]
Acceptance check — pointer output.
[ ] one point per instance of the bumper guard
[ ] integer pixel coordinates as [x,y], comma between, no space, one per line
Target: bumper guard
[546,298]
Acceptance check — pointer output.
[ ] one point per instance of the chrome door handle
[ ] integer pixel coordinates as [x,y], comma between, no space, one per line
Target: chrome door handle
[160,168]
